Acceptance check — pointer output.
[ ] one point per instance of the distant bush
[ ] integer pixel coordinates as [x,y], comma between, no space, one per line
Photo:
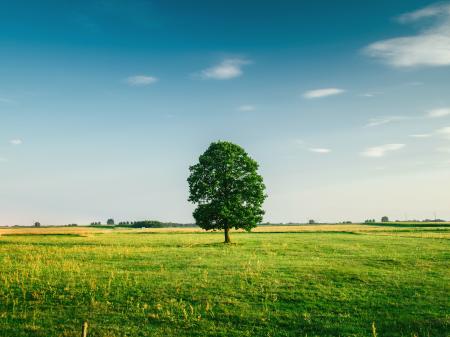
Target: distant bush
[385,219]
[311,222]
[110,222]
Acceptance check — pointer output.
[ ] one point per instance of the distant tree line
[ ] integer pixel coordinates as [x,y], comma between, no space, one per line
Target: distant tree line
[383,219]
[386,219]
[144,224]
[141,224]
[159,224]
[151,224]
[425,220]
[38,224]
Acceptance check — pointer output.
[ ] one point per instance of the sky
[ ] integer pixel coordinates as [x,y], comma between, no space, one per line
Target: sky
[104,105]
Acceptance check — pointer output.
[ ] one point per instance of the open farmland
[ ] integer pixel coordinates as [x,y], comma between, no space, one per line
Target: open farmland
[324,280]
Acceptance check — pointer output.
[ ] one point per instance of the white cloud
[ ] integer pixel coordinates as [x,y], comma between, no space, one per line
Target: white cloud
[430,11]
[16,141]
[319,93]
[445,132]
[319,150]
[420,135]
[436,113]
[430,47]
[371,94]
[246,107]
[140,80]
[385,120]
[226,70]
[380,151]
[306,147]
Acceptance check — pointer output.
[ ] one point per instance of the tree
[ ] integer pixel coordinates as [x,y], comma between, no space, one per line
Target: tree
[110,222]
[227,189]
[37,224]
[385,219]
[311,222]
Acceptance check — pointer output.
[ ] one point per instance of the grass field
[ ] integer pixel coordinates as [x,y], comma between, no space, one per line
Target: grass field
[325,280]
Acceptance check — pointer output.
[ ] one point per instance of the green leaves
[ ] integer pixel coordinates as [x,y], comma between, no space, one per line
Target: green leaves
[227,188]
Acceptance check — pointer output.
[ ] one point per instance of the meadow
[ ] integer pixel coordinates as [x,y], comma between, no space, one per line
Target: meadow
[324,280]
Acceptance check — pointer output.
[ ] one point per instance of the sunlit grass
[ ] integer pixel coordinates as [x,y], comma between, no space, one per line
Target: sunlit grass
[128,283]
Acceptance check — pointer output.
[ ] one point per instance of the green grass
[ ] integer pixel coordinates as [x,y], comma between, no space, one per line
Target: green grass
[266,284]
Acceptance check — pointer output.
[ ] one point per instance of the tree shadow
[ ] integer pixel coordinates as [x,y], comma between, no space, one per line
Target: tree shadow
[216,244]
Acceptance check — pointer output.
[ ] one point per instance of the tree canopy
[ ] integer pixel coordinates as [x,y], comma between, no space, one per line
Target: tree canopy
[227,189]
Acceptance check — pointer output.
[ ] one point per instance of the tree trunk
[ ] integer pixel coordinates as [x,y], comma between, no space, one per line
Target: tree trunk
[227,235]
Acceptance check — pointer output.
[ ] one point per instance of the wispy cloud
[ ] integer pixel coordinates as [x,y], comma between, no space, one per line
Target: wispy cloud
[246,107]
[371,94]
[226,70]
[16,141]
[319,150]
[426,12]
[420,135]
[319,93]
[430,47]
[308,147]
[437,113]
[385,120]
[380,151]
[444,132]
[434,113]
[140,80]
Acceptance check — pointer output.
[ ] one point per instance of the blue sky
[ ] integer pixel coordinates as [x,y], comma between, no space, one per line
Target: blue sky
[105,104]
